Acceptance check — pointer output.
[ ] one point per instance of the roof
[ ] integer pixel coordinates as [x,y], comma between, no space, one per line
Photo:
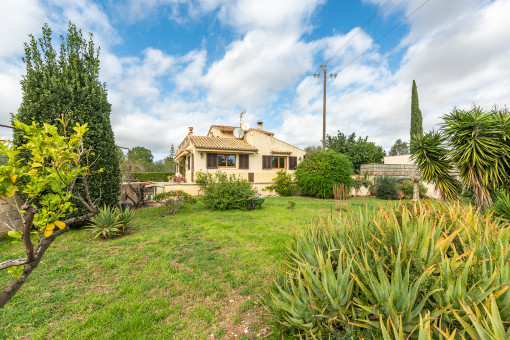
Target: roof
[217,143]
[225,128]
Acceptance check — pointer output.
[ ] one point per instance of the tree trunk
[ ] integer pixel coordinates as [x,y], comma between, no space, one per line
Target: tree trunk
[9,291]
[416,190]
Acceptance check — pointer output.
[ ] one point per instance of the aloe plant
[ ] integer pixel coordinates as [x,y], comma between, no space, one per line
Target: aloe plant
[405,272]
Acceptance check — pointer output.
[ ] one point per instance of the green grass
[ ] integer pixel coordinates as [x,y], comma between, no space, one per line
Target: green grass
[196,274]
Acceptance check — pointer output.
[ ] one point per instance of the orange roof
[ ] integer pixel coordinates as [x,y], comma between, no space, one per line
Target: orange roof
[220,143]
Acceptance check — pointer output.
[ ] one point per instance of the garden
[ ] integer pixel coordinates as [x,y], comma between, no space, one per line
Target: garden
[197,273]
[304,265]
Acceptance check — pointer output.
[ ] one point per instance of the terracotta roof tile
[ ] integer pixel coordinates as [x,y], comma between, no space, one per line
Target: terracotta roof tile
[220,143]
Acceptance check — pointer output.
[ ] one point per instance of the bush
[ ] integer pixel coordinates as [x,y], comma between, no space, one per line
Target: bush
[317,173]
[222,192]
[386,188]
[396,270]
[151,176]
[173,201]
[175,195]
[283,184]
[111,222]
[407,188]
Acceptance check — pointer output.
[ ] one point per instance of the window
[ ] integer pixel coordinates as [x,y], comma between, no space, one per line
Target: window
[278,162]
[226,161]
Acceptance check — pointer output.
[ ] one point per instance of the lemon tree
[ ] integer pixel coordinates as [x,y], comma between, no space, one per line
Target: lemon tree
[43,185]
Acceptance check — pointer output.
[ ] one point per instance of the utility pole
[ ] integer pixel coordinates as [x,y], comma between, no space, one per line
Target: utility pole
[325,78]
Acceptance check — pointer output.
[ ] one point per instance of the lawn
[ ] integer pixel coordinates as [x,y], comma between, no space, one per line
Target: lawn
[198,274]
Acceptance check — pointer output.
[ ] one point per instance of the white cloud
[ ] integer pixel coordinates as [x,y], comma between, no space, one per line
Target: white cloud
[461,60]
[458,51]
[256,67]
[18,19]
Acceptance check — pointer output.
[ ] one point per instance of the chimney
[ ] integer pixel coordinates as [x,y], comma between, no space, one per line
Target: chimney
[190,130]
[259,123]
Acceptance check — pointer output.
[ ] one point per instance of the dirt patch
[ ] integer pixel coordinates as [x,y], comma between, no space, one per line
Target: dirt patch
[244,316]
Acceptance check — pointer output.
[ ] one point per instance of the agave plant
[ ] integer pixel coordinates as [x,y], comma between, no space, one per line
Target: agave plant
[110,222]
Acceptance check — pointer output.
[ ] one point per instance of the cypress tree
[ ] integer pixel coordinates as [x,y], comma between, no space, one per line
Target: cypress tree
[416,118]
[66,84]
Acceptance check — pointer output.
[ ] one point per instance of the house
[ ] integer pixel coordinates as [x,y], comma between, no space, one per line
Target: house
[257,156]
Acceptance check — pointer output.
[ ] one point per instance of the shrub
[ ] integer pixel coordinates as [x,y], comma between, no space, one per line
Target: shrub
[317,173]
[222,192]
[173,201]
[175,194]
[408,190]
[111,222]
[386,188]
[283,184]
[151,176]
[396,271]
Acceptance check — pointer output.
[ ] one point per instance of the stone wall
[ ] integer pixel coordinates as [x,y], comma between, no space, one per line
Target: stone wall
[10,219]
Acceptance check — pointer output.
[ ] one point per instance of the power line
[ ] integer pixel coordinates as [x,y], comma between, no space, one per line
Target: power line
[360,29]
[370,47]
[382,37]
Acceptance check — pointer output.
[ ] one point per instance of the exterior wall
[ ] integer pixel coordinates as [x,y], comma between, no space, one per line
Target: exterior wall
[194,189]
[10,219]
[215,132]
[265,145]
[401,159]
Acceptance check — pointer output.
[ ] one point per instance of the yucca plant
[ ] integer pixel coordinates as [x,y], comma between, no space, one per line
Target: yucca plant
[110,222]
[431,157]
[475,142]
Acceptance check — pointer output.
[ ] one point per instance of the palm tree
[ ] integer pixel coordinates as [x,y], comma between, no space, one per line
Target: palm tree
[431,156]
[477,143]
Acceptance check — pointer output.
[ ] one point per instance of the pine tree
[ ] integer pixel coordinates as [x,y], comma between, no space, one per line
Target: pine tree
[172,151]
[416,118]
[66,84]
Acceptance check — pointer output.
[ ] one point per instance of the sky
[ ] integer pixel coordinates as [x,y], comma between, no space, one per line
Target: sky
[173,64]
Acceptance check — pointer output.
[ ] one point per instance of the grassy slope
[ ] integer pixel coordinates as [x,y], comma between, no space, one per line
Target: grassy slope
[195,274]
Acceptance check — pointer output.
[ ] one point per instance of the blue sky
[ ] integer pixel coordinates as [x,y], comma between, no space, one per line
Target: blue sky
[170,64]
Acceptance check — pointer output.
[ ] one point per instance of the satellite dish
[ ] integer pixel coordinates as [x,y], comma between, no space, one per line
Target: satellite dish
[238,133]
[245,126]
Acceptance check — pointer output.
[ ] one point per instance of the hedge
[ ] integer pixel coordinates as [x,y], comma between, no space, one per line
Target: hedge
[151,176]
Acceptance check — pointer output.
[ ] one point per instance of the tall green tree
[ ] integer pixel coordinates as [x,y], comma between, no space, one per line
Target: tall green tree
[359,150]
[172,151]
[65,84]
[416,131]
[416,117]
[399,148]
[140,155]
